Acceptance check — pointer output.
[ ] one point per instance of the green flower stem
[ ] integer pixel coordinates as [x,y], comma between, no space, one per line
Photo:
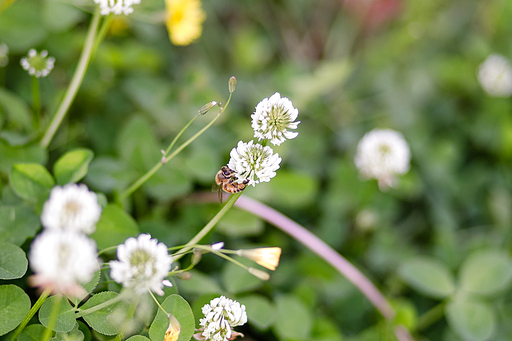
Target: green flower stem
[100,306]
[107,249]
[102,32]
[53,318]
[129,316]
[231,201]
[153,170]
[158,303]
[36,102]
[430,317]
[72,90]
[31,313]
[179,134]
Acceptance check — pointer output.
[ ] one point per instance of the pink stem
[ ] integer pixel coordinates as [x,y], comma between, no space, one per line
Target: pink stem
[323,250]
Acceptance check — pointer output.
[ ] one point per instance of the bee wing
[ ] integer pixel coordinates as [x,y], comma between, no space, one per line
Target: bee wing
[218,189]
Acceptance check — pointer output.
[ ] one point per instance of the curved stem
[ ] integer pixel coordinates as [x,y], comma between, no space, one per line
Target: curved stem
[431,316]
[31,313]
[129,316]
[323,250]
[231,201]
[75,81]
[153,170]
[100,306]
[158,303]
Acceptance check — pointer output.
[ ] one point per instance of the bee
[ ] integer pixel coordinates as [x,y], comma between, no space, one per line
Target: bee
[226,179]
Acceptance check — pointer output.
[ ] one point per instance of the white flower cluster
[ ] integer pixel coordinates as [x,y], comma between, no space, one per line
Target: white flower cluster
[72,207]
[62,256]
[38,64]
[221,316]
[254,162]
[381,154]
[495,76]
[116,6]
[272,119]
[143,264]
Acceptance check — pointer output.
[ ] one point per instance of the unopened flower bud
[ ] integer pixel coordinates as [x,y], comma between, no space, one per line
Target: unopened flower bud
[205,108]
[259,273]
[264,256]
[196,257]
[184,276]
[173,332]
[232,84]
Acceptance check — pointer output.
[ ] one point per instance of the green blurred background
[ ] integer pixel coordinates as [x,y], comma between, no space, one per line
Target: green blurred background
[349,67]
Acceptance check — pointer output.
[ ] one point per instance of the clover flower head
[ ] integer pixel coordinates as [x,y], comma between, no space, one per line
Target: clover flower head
[254,162]
[62,260]
[221,316]
[72,207]
[381,154]
[4,52]
[184,19]
[143,263]
[272,119]
[116,6]
[38,64]
[495,76]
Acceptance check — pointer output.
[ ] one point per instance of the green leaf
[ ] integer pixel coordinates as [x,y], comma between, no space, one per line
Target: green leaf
[33,332]
[260,311]
[18,224]
[138,338]
[237,280]
[239,223]
[428,276]
[114,227]
[74,334]
[67,14]
[293,320]
[10,155]
[486,272]
[293,189]
[14,305]
[31,180]
[72,166]
[66,319]
[176,305]
[107,174]
[471,320]
[13,261]
[21,27]
[168,183]
[107,320]
[16,108]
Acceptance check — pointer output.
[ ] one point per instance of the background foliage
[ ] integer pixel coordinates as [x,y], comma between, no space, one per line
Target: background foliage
[438,246]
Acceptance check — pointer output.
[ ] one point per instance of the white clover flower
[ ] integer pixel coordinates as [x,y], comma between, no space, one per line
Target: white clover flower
[38,64]
[381,154]
[143,264]
[272,119]
[72,207]
[221,315]
[63,260]
[116,6]
[254,162]
[495,76]
[4,58]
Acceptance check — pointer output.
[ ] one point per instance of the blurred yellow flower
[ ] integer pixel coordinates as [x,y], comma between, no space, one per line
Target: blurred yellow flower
[183,20]
[264,256]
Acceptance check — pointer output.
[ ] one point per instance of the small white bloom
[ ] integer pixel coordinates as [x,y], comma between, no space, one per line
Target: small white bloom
[272,119]
[116,6]
[62,260]
[254,162]
[38,64]
[495,76]
[381,154]
[4,58]
[143,264]
[72,207]
[221,315]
